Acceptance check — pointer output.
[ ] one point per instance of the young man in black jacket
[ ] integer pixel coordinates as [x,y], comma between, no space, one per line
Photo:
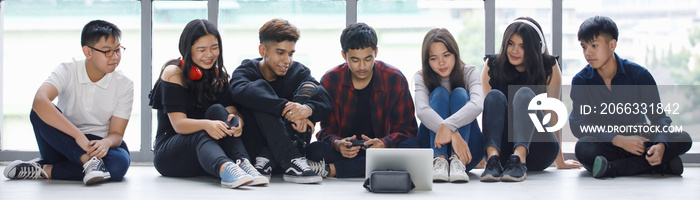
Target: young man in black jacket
[280,103]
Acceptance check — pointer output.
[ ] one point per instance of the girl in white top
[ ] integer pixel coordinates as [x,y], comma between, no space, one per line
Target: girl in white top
[448,100]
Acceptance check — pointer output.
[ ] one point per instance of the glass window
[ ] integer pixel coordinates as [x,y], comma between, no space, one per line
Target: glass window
[320,24]
[169,19]
[401,26]
[539,10]
[663,36]
[38,36]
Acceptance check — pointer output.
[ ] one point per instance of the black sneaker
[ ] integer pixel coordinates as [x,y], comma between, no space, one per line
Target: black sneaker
[300,172]
[264,166]
[515,171]
[674,167]
[321,168]
[95,171]
[493,170]
[602,168]
[25,170]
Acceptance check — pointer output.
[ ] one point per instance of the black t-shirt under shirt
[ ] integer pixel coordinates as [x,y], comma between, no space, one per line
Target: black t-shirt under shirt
[362,124]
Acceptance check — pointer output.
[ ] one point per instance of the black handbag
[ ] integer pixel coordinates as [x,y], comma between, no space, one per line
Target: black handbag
[389,182]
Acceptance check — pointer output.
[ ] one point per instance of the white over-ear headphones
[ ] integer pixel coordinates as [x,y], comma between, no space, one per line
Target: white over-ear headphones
[544,46]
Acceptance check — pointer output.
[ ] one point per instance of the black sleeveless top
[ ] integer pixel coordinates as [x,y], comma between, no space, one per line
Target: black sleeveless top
[169,97]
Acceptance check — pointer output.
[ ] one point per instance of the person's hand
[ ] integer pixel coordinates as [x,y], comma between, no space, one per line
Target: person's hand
[373,142]
[656,153]
[294,111]
[568,164]
[217,129]
[83,143]
[98,148]
[303,125]
[442,137]
[461,148]
[238,130]
[341,146]
[633,144]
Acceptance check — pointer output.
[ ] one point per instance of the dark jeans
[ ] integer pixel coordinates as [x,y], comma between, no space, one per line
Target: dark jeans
[60,150]
[626,163]
[445,104]
[542,148]
[196,154]
[266,135]
[272,136]
[344,167]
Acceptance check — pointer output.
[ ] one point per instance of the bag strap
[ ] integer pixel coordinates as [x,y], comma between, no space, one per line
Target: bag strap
[366,184]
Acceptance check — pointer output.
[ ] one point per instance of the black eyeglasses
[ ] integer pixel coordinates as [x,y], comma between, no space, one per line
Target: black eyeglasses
[110,53]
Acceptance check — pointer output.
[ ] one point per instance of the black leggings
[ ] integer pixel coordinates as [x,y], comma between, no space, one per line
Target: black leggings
[196,154]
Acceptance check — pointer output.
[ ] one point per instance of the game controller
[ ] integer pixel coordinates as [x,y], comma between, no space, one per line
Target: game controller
[358,143]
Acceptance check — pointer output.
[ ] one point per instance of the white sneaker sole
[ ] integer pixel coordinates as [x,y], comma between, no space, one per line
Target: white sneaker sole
[302,179]
[490,178]
[508,178]
[440,178]
[96,177]
[244,180]
[9,167]
[461,178]
[260,181]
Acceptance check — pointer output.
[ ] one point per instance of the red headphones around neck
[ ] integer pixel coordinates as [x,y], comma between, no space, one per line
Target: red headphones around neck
[195,72]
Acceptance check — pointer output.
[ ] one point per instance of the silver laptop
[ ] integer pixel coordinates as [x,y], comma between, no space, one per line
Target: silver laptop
[416,161]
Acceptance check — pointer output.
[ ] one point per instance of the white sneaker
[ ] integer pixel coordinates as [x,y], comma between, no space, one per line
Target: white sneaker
[440,173]
[258,179]
[95,171]
[24,170]
[458,172]
[320,167]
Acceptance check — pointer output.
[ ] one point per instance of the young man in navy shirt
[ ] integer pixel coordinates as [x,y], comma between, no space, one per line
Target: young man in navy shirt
[635,147]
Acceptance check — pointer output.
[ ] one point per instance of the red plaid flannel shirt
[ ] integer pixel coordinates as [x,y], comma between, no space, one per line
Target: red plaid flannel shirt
[393,115]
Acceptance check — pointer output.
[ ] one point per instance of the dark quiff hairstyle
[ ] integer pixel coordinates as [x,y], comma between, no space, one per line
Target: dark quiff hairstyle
[358,36]
[596,26]
[538,65]
[432,79]
[94,30]
[278,30]
[215,79]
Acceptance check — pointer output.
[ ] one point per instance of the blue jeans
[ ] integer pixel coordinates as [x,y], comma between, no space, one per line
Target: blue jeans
[541,153]
[445,104]
[60,150]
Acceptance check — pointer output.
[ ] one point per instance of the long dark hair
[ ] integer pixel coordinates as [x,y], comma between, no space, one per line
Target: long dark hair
[538,65]
[215,79]
[431,79]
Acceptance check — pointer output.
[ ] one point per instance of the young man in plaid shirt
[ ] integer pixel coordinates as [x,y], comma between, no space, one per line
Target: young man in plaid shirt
[371,102]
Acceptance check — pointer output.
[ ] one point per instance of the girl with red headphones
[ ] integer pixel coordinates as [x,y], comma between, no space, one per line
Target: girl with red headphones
[198,127]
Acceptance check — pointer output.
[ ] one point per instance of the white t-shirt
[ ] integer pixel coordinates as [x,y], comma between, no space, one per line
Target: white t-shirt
[88,105]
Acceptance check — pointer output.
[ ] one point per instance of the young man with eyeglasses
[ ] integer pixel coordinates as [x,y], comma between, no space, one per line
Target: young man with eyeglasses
[81,136]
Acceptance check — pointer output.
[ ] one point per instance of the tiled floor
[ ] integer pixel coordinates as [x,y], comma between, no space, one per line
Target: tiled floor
[143,182]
